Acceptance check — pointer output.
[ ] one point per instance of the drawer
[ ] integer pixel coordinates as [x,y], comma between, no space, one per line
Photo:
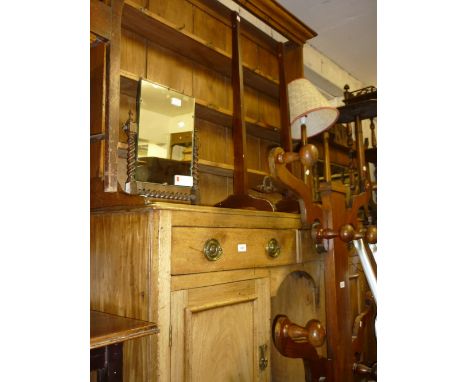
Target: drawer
[241,248]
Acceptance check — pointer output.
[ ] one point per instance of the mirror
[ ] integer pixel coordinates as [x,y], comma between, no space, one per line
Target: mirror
[164,151]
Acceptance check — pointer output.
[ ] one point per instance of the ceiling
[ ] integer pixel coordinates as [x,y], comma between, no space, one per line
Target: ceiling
[347,32]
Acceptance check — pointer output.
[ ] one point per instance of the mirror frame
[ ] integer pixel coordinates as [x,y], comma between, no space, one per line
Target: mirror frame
[179,194]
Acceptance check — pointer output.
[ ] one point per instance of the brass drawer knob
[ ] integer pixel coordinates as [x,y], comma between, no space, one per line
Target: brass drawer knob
[273,248]
[212,250]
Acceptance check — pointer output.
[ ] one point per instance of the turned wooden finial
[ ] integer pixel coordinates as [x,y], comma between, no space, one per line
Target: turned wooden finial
[371,234]
[308,155]
[348,234]
[346,91]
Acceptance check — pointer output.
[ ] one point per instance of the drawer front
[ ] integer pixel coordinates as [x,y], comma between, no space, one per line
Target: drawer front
[241,248]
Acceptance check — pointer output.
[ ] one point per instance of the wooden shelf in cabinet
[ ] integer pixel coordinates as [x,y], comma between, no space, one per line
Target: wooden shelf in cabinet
[213,113]
[262,130]
[224,169]
[129,83]
[257,80]
[166,34]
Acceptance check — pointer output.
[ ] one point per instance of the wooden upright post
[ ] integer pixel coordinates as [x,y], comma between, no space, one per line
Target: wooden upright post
[240,183]
[337,300]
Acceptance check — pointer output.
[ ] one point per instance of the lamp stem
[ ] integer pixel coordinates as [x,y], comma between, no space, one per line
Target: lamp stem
[326,158]
[307,175]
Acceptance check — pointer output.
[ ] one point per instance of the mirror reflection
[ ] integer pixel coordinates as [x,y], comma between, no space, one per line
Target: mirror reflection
[165,135]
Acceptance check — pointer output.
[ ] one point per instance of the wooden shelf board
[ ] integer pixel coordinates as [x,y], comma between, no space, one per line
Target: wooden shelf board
[257,80]
[224,169]
[128,83]
[167,35]
[211,113]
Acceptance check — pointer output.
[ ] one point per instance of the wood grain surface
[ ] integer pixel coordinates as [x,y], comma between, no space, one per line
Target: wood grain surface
[107,329]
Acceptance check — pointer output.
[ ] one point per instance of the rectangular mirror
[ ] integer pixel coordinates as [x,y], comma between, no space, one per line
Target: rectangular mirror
[165,136]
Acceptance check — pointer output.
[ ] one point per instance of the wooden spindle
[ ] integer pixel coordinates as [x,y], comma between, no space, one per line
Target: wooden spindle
[373,136]
[326,160]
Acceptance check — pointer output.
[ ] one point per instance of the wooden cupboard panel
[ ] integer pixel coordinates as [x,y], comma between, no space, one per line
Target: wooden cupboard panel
[119,264]
[133,53]
[178,12]
[212,88]
[188,244]
[97,87]
[208,297]
[269,111]
[170,69]
[251,103]
[217,331]
[213,188]
[212,30]
[220,344]
[212,141]
[96,151]
[268,63]
[179,301]
[120,280]
[136,362]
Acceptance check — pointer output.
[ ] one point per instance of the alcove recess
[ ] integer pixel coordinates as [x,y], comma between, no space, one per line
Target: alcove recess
[188,46]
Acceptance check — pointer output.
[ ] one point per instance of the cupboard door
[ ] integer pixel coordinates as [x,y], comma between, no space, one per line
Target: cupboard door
[217,332]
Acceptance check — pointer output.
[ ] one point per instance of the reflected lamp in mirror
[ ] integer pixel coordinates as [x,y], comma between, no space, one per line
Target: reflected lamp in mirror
[164,158]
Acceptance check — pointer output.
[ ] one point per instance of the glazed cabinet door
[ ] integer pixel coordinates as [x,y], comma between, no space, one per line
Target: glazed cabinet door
[221,332]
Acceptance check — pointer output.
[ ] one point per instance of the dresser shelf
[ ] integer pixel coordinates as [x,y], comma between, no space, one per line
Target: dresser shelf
[166,34]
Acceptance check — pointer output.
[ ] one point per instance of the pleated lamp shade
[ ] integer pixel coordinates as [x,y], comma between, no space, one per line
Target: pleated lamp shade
[306,101]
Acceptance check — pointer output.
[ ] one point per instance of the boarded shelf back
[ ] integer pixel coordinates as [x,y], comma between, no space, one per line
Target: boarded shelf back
[167,35]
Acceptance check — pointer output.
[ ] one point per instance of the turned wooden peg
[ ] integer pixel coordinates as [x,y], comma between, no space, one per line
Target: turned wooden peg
[308,155]
[286,157]
[326,233]
[313,333]
[347,233]
[364,370]
[319,233]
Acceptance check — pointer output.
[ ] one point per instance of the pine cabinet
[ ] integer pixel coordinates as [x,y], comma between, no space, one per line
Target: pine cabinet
[214,315]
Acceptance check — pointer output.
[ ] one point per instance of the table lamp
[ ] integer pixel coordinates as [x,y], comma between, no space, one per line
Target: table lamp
[309,113]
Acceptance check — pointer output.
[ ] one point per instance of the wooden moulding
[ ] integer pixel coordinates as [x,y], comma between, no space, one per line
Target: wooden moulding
[167,35]
[100,19]
[280,19]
